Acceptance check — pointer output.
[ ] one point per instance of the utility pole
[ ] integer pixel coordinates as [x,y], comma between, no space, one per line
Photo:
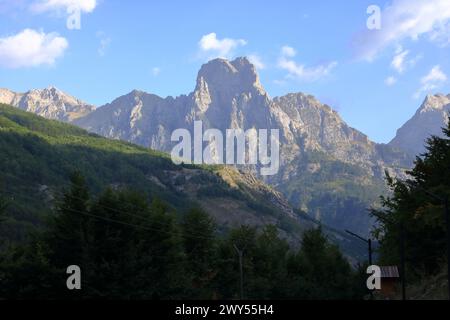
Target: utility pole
[444,201]
[240,253]
[369,243]
[447,221]
[402,259]
[401,226]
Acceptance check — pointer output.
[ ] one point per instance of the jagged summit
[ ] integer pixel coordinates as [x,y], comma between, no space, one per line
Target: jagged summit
[221,74]
[434,102]
[316,146]
[428,120]
[50,103]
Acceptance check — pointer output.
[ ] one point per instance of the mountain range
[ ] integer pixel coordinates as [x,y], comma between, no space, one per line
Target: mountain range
[49,103]
[328,170]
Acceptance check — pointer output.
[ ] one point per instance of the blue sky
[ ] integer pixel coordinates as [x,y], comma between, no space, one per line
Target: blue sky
[376,79]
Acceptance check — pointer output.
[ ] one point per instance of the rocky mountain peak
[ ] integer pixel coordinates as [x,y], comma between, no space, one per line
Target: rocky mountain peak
[434,102]
[220,74]
[428,120]
[50,103]
[6,96]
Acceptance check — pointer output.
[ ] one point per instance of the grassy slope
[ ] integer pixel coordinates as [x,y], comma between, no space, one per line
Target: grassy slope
[38,155]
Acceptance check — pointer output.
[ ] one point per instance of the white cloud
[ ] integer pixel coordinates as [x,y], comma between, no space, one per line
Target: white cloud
[279,82]
[431,81]
[435,75]
[390,81]
[256,61]
[405,19]
[398,62]
[40,6]
[222,48]
[288,51]
[401,62]
[156,71]
[105,41]
[441,35]
[300,71]
[31,48]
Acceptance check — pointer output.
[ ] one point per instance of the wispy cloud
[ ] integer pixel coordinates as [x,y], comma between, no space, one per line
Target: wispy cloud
[156,71]
[390,81]
[31,48]
[405,19]
[401,62]
[431,81]
[12,7]
[300,71]
[287,51]
[40,6]
[256,61]
[105,42]
[219,48]
[398,62]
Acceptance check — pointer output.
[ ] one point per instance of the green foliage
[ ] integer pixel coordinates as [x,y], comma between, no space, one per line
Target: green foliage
[130,249]
[127,246]
[414,205]
[337,193]
[319,270]
[199,240]
[3,205]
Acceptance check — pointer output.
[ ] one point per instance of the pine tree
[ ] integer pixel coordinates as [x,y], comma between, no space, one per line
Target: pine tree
[320,271]
[68,236]
[270,259]
[198,231]
[162,265]
[412,208]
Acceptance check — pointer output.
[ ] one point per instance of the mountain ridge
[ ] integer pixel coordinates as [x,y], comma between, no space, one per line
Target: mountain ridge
[229,95]
[50,103]
[317,147]
[427,120]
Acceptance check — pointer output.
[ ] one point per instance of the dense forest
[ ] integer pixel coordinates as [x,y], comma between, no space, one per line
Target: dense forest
[127,217]
[129,248]
[154,243]
[415,213]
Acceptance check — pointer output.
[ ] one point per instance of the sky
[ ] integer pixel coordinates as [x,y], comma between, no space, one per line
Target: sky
[372,61]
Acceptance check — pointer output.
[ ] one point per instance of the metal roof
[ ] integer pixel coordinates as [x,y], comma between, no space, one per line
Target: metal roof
[389,272]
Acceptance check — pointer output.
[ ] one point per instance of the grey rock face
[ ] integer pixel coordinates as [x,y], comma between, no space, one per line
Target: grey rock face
[230,95]
[50,103]
[427,121]
[322,159]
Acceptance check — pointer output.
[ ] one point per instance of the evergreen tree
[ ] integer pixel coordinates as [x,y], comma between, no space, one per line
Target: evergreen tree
[162,266]
[3,205]
[68,234]
[199,240]
[420,215]
[227,280]
[270,259]
[320,271]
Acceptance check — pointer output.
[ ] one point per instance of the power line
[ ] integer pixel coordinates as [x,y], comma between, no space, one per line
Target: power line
[61,194]
[122,222]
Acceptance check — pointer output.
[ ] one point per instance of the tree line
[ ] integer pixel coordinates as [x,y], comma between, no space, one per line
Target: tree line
[128,247]
[414,213]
